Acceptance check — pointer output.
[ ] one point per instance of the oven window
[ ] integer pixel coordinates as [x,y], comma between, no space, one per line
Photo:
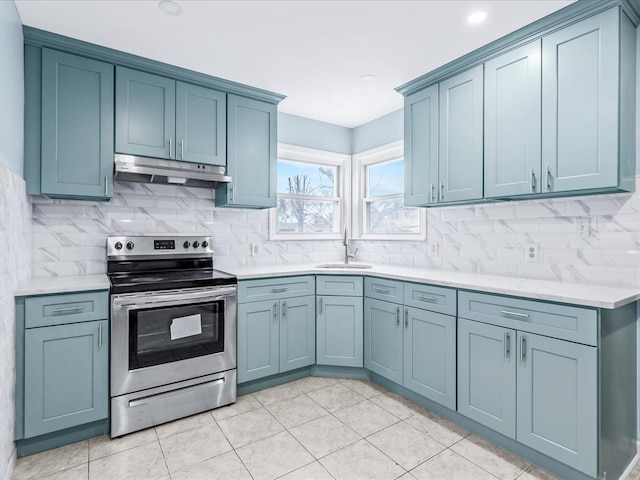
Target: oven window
[167,334]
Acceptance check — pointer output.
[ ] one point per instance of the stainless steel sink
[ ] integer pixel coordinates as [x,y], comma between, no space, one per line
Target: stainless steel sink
[350,266]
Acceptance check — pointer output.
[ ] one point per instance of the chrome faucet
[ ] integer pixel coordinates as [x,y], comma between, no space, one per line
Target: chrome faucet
[345,241]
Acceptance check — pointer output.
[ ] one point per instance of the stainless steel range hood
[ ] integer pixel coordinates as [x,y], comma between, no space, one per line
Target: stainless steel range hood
[130,168]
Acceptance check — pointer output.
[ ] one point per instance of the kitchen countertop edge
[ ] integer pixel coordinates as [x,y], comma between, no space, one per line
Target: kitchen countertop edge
[62,284]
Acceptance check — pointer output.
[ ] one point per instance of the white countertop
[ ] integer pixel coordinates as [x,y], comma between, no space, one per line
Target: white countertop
[562,292]
[72,283]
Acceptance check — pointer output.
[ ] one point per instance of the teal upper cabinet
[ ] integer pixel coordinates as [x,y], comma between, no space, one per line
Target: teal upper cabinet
[251,154]
[421,147]
[69,102]
[159,117]
[581,100]
[512,112]
[460,158]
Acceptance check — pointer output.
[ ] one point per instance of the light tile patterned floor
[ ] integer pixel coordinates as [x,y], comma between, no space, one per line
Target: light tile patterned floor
[312,429]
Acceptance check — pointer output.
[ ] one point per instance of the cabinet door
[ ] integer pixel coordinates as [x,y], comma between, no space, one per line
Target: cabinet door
[251,154]
[460,154]
[66,376]
[487,375]
[430,355]
[558,400]
[580,87]
[258,339]
[339,331]
[201,125]
[383,337]
[145,114]
[77,126]
[512,130]
[297,332]
[421,147]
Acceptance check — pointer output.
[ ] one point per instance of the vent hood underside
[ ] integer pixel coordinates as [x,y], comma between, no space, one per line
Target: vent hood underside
[129,168]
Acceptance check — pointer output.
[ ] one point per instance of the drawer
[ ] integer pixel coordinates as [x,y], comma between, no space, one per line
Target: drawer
[382,289]
[576,324]
[275,288]
[428,297]
[341,285]
[45,310]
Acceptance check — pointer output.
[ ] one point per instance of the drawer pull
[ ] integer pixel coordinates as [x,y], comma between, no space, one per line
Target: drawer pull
[279,290]
[68,310]
[426,298]
[514,314]
[385,291]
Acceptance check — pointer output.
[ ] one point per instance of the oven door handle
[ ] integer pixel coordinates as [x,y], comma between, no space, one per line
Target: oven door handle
[174,298]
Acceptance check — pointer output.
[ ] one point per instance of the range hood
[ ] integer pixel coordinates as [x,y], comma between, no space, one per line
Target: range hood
[130,168]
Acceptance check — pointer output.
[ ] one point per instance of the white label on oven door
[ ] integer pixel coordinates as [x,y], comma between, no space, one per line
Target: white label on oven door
[188,326]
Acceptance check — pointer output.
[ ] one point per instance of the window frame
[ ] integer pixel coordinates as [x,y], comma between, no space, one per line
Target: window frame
[385,153]
[298,154]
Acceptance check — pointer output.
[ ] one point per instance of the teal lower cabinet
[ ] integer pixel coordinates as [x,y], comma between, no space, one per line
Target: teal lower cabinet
[339,331]
[383,338]
[258,340]
[62,369]
[67,369]
[297,333]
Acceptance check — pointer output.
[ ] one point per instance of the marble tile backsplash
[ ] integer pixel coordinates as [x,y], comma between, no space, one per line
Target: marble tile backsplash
[69,236]
[15,268]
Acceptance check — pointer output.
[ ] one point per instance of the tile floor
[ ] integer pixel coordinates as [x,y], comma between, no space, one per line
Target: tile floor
[312,429]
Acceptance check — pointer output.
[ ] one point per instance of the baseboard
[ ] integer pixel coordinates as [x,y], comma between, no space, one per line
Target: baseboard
[10,465]
[631,466]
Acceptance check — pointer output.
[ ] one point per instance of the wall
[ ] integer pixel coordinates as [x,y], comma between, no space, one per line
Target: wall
[15,218]
[381,131]
[305,132]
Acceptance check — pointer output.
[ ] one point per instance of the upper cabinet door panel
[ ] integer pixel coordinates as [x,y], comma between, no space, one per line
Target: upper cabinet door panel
[421,147]
[580,88]
[251,154]
[460,156]
[77,126]
[512,130]
[145,114]
[201,125]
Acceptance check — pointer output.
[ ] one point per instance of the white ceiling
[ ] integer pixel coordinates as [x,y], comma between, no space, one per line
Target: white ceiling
[313,51]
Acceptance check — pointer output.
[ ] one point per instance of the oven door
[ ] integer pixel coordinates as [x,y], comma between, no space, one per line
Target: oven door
[158,338]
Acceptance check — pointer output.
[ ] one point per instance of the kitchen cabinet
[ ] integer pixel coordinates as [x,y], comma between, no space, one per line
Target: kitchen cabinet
[538,390]
[383,338]
[62,363]
[278,334]
[339,321]
[251,154]
[68,125]
[512,122]
[162,118]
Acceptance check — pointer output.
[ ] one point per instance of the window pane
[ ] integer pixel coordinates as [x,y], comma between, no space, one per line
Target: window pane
[307,179]
[391,216]
[385,178]
[306,216]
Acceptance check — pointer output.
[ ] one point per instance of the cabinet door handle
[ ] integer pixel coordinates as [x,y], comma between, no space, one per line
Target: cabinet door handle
[426,298]
[514,314]
[68,310]
[507,344]
[433,197]
[406,318]
[441,191]
[100,336]
[106,184]
[320,304]
[397,315]
[279,289]
[523,347]
[275,311]
[533,180]
[284,310]
[231,193]
[548,179]
[181,149]
[381,290]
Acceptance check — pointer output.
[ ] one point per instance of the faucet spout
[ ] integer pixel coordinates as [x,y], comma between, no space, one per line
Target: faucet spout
[345,241]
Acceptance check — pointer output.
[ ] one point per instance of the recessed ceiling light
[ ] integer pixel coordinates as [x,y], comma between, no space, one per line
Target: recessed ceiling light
[170,7]
[477,17]
[368,78]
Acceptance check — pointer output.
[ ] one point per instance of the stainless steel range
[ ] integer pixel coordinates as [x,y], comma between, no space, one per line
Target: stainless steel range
[173,330]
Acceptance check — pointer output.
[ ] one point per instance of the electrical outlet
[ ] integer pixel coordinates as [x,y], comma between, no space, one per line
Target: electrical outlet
[531,252]
[583,227]
[255,249]
[433,249]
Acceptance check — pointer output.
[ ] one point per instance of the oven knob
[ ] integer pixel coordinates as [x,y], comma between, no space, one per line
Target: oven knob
[186,244]
[196,244]
[205,244]
[129,245]
[118,245]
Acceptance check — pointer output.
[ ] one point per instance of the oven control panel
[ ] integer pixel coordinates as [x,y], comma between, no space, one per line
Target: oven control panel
[160,246]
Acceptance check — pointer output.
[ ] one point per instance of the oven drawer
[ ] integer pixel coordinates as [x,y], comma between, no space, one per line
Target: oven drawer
[428,297]
[45,310]
[575,324]
[275,288]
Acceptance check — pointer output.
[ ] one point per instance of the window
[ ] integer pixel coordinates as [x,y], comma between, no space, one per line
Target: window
[311,192]
[379,196]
